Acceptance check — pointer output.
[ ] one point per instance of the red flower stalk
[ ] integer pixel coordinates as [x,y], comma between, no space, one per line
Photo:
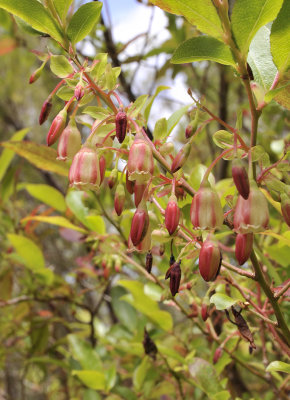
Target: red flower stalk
[251,215]
[129,184]
[69,142]
[241,178]
[180,158]
[56,127]
[174,273]
[206,210]
[204,312]
[121,126]
[113,178]
[119,199]
[172,215]
[85,171]
[140,224]
[210,260]
[45,111]
[149,262]
[244,246]
[140,165]
[285,207]
[139,189]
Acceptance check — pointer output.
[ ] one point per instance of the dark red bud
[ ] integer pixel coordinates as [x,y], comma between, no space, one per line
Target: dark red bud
[174,273]
[140,224]
[244,246]
[172,215]
[45,111]
[129,184]
[149,262]
[217,355]
[121,126]
[209,260]
[241,178]
[204,313]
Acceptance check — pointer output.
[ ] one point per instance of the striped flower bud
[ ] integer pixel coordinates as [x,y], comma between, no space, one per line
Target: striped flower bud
[85,172]
[121,126]
[140,223]
[174,273]
[113,178]
[180,158]
[285,207]
[129,184]
[69,142]
[140,165]
[45,111]
[251,215]
[119,200]
[149,262]
[139,189]
[56,127]
[206,211]
[172,215]
[244,246]
[144,246]
[241,178]
[204,312]
[209,260]
[79,91]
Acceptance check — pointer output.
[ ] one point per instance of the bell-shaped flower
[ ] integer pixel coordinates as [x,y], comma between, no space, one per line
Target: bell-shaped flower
[69,142]
[209,260]
[85,171]
[140,165]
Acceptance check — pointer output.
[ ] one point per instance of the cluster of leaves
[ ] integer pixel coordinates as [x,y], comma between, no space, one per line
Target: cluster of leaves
[78,327]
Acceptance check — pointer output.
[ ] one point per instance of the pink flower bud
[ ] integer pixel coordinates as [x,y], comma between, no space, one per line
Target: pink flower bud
[174,273]
[113,178]
[119,200]
[180,158]
[45,111]
[140,223]
[209,260]
[172,215]
[140,165]
[206,210]
[241,178]
[129,184]
[251,215]
[85,171]
[204,312]
[121,126]
[102,168]
[217,355]
[35,75]
[69,142]
[244,246]
[139,189]
[285,207]
[56,127]
[188,131]
[79,91]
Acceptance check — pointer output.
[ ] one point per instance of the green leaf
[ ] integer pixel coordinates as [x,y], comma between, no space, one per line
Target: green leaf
[93,379]
[249,16]
[149,105]
[138,105]
[274,92]
[42,157]
[96,112]
[260,59]
[160,129]
[201,13]
[223,139]
[140,373]
[83,21]
[60,66]
[7,155]
[280,38]
[62,7]
[65,93]
[278,366]
[84,353]
[46,194]
[91,395]
[30,253]
[146,305]
[202,48]
[175,118]
[222,301]
[205,376]
[55,220]
[95,223]
[125,313]
[33,12]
